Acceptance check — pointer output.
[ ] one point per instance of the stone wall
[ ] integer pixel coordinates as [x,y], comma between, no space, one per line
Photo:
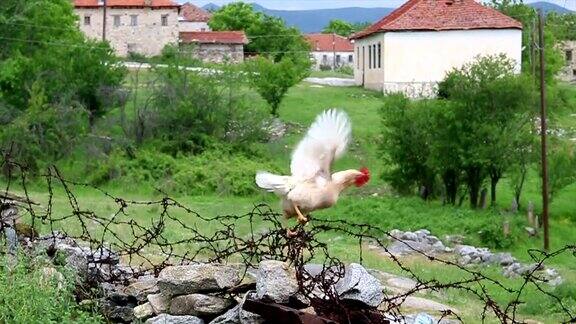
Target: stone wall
[568,72]
[192,26]
[216,53]
[147,37]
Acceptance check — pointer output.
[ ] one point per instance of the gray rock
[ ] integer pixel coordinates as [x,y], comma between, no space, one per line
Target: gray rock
[237,315]
[187,279]
[116,312]
[454,239]
[409,236]
[11,240]
[466,250]
[276,282]
[143,311]
[358,284]
[404,284]
[396,233]
[438,246]
[74,259]
[465,260]
[169,319]
[101,255]
[432,239]
[199,305]
[531,231]
[160,303]
[399,248]
[142,288]
[504,259]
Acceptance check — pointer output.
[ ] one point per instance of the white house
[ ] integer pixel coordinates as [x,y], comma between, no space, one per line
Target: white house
[412,48]
[193,18]
[132,26]
[330,50]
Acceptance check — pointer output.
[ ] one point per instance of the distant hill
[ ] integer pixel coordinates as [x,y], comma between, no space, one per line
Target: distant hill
[549,7]
[309,21]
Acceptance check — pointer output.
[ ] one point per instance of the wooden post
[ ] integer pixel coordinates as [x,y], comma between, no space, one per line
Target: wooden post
[506,228]
[530,214]
[543,131]
[104,20]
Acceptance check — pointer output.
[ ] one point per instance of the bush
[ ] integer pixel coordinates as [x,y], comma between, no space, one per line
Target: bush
[192,110]
[27,297]
[216,171]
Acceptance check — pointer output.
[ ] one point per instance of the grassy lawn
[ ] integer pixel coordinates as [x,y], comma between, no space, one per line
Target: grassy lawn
[330,74]
[374,204]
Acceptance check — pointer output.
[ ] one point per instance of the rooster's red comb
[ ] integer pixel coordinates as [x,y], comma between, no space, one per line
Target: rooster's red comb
[363,178]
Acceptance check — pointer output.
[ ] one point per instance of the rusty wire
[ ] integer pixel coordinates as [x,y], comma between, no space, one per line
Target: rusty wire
[148,248]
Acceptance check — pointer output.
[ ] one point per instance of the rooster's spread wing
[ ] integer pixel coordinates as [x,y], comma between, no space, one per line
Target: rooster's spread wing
[325,141]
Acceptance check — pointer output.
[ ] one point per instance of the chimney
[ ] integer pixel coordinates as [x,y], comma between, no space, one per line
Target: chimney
[148,3]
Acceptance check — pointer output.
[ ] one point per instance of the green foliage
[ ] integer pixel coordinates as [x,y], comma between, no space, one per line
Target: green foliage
[191,110]
[216,171]
[26,296]
[528,16]
[563,26]
[561,166]
[69,66]
[44,132]
[272,80]
[268,35]
[339,27]
[492,235]
[477,131]
[406,143]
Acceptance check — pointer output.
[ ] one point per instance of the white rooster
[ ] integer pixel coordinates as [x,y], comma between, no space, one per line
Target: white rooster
[311,185]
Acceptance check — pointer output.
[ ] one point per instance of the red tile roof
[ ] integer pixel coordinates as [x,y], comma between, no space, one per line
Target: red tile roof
[127,3]
[441,15]
[190,12]
[214,37]
[323,43]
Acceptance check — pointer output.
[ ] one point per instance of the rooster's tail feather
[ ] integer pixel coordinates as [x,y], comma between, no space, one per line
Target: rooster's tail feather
[273,183]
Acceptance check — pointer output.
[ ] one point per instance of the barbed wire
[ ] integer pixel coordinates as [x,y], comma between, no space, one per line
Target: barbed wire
[177,234]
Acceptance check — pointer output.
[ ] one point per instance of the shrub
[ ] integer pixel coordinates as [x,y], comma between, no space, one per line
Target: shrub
[27,297]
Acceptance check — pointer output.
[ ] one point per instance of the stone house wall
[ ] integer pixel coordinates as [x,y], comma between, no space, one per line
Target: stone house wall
[192,26]
[147,37]
[568,72]
[216,53]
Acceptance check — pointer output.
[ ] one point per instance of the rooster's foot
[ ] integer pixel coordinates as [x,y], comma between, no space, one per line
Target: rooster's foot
[290,233]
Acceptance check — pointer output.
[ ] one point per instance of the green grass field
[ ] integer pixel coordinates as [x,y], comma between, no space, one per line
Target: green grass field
[375,204]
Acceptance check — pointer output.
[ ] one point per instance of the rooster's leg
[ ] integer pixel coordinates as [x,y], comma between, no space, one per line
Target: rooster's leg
[301,218]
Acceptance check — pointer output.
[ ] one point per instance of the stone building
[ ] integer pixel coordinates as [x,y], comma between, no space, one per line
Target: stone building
[215,46]
[330,51]
[413,48]
[568,73]
[132,26]
[193,18]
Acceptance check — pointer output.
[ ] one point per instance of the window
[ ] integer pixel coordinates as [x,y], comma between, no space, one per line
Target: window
[574,72]
[338,59]
[164,20]
[374,55]
[369,56]
[116,20]
[350,58]
[133,20]
[86,20]
[379,55]
[568,55]
[324,59]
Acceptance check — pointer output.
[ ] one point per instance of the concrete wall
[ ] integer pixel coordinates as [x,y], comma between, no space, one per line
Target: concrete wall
[366,73]
[191,26]
[327,59]
[413,62]
[148,37]
[568,73]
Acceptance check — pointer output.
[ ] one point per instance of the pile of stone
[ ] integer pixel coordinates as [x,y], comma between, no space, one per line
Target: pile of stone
[469,255]
[423,242]
[420,241]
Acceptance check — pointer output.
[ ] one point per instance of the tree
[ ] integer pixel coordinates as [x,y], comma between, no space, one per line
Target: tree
[268,35]
[339,27]
[528,16]
[563,26]
[491,116]
[42,43]
[273,79]
[51,78]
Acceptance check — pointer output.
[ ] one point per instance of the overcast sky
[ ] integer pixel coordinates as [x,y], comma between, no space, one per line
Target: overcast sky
[321,4]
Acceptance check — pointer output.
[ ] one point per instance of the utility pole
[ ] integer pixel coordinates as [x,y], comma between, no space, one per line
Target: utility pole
[104,20]
[334,51]
[543,131]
